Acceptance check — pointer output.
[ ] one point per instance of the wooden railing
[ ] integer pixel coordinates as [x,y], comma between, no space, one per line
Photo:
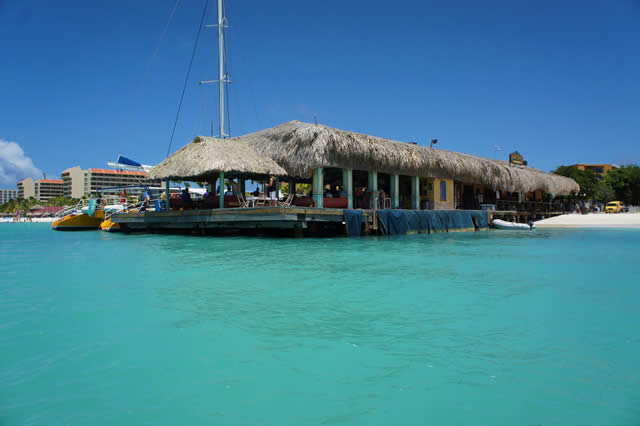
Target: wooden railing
[534,206]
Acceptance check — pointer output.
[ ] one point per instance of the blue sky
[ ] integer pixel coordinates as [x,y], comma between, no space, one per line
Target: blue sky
[558,81]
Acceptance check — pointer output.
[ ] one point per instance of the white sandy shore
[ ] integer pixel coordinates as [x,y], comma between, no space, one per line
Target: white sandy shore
[592,220]
[34,220]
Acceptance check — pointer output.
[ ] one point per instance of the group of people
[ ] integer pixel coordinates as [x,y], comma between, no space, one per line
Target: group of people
[336,192]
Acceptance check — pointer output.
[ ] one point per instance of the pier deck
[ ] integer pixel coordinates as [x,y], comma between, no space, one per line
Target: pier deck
[232,218]
[301,221]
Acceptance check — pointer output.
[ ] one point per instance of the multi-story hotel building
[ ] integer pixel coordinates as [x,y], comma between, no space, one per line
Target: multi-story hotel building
[79,182]
[7,195]
[42,190]
[74,182]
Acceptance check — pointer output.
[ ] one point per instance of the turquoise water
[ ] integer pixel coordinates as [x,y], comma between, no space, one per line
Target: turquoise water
[500,328]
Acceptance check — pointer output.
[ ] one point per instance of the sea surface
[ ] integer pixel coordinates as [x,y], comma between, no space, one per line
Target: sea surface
[486,328]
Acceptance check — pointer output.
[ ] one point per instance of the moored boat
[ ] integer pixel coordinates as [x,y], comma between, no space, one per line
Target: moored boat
[108,226]
[79,220]
[503,224]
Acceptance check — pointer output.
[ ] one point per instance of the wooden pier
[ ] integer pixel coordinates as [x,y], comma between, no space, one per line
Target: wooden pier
[259,218]
[302,221]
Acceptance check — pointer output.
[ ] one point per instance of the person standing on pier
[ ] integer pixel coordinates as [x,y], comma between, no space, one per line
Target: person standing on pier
[273,189]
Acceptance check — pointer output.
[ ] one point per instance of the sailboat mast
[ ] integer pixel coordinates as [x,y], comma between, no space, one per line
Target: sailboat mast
[221,76]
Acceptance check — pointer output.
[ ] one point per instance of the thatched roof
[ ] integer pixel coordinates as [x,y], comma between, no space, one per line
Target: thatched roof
[296,148]
[205,157]
[301,147]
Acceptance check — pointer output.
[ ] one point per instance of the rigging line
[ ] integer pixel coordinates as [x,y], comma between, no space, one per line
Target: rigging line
[184,88]
[147,71]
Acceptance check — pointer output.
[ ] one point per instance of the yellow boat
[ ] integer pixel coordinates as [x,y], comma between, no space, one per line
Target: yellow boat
[79,221]
[109,226]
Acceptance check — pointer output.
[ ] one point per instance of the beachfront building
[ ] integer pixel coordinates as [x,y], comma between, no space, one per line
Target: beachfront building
[358,182]
[42,190]
[352,170]
[600,169]
[79,182]
[27,188]
[7,195]
[74,182]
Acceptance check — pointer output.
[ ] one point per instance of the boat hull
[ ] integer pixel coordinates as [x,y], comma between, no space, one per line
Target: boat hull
[109,226]
[79,222]
[503,224]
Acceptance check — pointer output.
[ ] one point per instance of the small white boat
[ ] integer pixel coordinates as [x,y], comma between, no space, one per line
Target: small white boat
[503,224]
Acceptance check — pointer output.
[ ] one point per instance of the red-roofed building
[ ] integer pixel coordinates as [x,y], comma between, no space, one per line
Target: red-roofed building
[41,190]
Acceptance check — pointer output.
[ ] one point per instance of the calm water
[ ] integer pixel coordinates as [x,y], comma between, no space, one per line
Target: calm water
[499,328]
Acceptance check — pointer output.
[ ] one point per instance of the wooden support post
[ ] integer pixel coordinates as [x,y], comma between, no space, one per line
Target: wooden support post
[395,191]
[167,193]
[415,192]
[243,186]
[221,195]
[292,187]
[318,187]
[347,184]
[373,187]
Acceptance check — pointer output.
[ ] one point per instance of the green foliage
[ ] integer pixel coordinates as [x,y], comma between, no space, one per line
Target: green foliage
[622,184]
[62,201]
[603,193]
[25,205]
[587,179]
[301,188]
[625,183]
[12,206]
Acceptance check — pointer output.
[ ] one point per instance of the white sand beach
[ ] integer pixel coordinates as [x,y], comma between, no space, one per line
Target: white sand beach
[592,220]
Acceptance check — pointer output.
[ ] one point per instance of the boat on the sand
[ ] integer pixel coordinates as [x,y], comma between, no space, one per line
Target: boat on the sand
[503,224]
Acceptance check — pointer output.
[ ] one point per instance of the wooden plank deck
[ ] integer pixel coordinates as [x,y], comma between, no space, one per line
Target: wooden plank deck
[232,218]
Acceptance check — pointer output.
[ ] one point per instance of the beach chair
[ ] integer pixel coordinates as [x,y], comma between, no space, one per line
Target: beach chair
[285,203]
[243,202]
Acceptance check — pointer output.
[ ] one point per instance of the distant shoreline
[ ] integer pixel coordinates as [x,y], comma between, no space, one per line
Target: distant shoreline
[593,220]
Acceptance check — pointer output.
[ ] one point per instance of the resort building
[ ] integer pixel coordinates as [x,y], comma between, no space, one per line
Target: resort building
[7,195]
[42,190]
[74,182]
[600,169]
[342,166]
[79,182]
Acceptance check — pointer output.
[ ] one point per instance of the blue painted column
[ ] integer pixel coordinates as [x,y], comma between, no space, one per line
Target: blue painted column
[347,183]
[221,195]
[395,191]
[167,193]
[318,187]
[373,187]
[415,192]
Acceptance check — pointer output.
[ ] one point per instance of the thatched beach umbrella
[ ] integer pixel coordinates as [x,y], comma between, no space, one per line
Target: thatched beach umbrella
[301,147]
[204,158]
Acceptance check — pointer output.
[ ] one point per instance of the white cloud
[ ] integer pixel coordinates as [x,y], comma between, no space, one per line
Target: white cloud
[14,165]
